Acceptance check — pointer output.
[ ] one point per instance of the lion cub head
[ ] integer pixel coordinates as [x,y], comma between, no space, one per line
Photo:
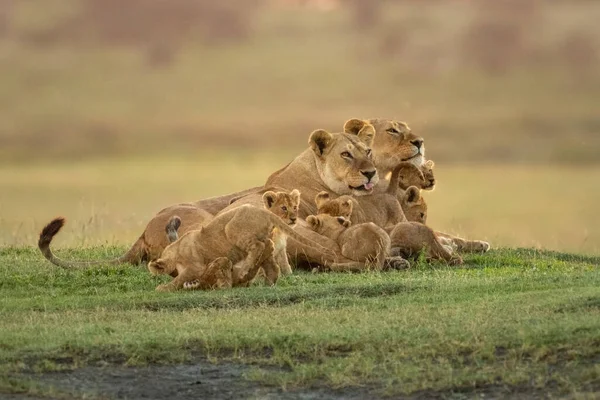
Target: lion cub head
[414,205]
[327,225]
[284,205]
[427,170]
[341,206]
[395,143]
[344,160]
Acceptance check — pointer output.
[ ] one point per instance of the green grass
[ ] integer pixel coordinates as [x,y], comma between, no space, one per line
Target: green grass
[510,318]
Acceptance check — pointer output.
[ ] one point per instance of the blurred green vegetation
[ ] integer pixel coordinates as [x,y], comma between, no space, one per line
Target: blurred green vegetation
[500,81]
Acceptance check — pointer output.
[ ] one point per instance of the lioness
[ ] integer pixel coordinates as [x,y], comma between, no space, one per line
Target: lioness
[244,230]
[339,163]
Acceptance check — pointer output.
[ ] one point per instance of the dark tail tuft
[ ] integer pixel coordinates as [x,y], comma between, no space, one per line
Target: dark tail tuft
[50,231]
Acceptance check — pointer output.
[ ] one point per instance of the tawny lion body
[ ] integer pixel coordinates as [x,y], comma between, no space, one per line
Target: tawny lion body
[240,235]
[364,242]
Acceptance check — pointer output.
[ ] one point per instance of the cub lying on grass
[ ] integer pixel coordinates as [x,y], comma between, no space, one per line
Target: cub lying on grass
[365,242]
[241,234]
[407,239]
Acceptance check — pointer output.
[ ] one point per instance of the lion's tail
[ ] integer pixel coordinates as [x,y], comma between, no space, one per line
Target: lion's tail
[134,255]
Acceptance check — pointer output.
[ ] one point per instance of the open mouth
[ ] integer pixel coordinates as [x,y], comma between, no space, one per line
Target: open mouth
[367,187]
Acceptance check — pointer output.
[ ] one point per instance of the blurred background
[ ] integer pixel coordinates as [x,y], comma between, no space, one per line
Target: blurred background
[112,110]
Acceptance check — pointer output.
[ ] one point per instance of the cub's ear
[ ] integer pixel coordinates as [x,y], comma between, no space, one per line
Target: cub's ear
[269,198]
[364,130]
[429,164]
[295,195]
[412,195]
[321,198]
[348,206]
[319,140]
[343,221]
[313,222]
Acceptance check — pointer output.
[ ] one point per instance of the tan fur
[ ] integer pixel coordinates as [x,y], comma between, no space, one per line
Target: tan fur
[408,239]
[339,163]
[383,209]
[413,205]
[366,242]
[428,175]
[395,143]
[285,206]
[241,235]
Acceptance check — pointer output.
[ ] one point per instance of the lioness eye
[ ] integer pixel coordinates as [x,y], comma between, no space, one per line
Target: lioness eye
[284,208]
[368,152]
[346,155]
[393,130]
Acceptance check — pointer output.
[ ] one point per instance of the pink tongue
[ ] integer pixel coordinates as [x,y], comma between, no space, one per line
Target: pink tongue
[369,186]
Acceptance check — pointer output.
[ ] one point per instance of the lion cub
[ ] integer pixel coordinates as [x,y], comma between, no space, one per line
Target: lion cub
[362,242]
[285,206]
[241,234]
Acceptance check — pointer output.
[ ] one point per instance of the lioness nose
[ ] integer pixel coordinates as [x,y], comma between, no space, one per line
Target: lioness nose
[417,143]
[369,174]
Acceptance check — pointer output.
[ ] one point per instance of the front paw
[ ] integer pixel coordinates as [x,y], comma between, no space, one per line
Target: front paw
[191,285]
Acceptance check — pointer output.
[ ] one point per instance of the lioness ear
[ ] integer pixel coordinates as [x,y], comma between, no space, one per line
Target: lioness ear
[319,140]
[295,195]
[412,195]
[269,198]
[172,227]
[364,130]
[321,198]
[313,222]
[354,125]
[429,164]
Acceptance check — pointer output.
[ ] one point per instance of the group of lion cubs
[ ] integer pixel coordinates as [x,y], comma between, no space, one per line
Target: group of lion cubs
[332,206]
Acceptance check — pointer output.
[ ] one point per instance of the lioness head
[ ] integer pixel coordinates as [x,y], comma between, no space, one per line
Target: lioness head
[284,205]
[344,160]
[414,205]
[394,143]
[427,170]
[327,225]
[339,207]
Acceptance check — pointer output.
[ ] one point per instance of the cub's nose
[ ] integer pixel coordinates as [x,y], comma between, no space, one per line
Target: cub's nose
[293,219]
[369,174]
[417,143]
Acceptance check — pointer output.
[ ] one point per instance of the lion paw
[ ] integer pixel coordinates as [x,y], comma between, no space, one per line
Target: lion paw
[397,263]
[191,285]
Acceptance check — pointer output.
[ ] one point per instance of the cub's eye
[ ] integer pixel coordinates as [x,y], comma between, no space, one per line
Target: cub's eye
[295,208]
[346,154]
[283,208]
[393,130]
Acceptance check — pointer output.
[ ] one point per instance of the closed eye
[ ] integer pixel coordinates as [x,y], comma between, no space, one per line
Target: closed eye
[368,152]
[346,154]
[393,130]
